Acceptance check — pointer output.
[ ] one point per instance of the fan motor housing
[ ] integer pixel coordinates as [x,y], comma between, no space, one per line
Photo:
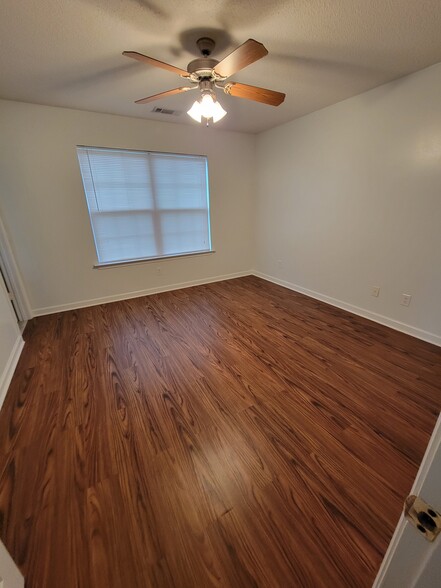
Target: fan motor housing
[202,66]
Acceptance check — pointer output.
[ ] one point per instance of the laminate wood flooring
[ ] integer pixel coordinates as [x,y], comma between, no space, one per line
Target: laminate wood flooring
[235,434]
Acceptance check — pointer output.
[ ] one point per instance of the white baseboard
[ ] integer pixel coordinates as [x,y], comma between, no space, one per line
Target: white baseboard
[373,316]
[8,372]
[135,294]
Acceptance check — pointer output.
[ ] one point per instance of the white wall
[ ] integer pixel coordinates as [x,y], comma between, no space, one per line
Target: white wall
[346,198]
[44,209]
[349,197]
[11,342]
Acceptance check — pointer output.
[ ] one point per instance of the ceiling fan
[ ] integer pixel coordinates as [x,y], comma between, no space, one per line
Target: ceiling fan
[206,74]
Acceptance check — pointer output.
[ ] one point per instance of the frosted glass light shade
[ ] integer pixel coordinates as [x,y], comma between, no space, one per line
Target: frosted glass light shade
[218,112]
[195,111]
[207,107]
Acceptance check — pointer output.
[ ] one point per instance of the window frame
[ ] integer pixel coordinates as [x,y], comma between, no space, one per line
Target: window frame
[155,212]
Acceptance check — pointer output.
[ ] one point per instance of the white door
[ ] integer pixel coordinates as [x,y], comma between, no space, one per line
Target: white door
[10,276]
[10,576]
[411,561]
[8,286]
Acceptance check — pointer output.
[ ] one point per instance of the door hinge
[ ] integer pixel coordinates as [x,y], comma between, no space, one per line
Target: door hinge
[425,518]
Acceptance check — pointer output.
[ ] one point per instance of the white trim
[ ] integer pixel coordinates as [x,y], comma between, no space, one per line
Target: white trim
[14,274]
[135,294]
[421,476]
[110,264]
[373,316]
[8,372]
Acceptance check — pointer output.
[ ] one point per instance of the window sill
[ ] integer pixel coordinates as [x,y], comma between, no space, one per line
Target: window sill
[110,264]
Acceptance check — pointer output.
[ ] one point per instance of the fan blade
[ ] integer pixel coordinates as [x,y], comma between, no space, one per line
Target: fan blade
[156,63]
[164,94]
[244,55]
[254,93]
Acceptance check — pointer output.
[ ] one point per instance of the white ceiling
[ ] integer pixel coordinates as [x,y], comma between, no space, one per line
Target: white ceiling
[68,52]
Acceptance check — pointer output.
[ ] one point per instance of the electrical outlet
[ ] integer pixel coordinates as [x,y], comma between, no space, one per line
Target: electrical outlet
[405,299]
[375,291]
[279,263]
[158,270]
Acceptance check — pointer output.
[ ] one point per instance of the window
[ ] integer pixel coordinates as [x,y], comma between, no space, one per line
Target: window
[145,205]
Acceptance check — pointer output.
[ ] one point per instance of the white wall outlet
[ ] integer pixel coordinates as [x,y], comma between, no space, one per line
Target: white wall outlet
[279,263]
[375,291]
[405,299]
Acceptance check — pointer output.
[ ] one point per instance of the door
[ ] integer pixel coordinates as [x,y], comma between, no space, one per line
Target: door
[411,561]
[10,576]
[10,276]
[8,285]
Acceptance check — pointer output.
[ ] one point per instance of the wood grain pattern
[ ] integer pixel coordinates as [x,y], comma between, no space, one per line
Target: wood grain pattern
[156,63]
[263,95]
[241,57]
[233,435]
[165,94]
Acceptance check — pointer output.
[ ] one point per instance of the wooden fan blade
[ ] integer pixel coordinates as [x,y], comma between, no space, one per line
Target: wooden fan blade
[244,55]
[254,93]
[164,94]
[156,63]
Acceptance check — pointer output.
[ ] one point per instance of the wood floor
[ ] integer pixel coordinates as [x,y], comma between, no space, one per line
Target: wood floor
[235,434]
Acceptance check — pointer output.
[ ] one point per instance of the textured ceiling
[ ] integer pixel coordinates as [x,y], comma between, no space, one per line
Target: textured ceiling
[68,52]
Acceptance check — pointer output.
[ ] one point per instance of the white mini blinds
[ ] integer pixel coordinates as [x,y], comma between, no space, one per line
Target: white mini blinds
[145,205]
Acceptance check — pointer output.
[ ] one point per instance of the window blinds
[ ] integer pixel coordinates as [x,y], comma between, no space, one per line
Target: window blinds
[145,205]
